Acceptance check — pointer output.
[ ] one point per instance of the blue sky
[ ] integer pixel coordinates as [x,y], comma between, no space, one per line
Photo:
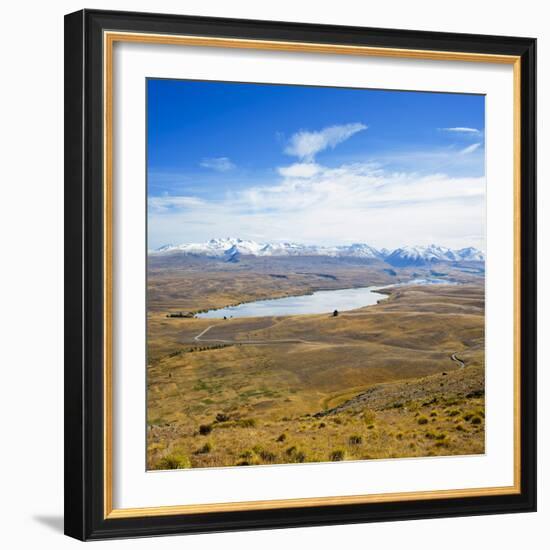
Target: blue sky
[313,164]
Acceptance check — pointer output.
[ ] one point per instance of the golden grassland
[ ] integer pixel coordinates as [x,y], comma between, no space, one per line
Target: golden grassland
[376,382]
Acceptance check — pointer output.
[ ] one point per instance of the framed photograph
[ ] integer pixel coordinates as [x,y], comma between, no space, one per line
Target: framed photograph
[300,274]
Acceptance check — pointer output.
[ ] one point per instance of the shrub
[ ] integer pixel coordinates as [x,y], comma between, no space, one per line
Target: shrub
[433,413]
[422,420]
[295,455]
[205,429]
[267,456]
[321,425]
[281,438]
[299,456]
[205,449]
[337,455]
[246,454]
[355,439]
[222,417]
[460,428]
[453,412]
[476,420]
[247,423]
[174,461]
[468,416]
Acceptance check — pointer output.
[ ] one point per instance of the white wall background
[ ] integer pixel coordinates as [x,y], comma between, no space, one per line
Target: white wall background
[31,233]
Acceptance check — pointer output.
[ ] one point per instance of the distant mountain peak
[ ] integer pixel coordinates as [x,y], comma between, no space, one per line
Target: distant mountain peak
[232,248]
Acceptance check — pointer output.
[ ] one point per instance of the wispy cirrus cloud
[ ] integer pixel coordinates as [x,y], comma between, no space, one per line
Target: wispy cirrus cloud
[305,144]
[165,203]
[461,130]
[219,164]
[470,149]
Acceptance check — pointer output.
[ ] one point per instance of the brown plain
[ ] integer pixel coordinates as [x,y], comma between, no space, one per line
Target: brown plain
[402,378]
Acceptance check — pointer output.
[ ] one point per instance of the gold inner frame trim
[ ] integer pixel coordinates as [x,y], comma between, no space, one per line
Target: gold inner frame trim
[109,39]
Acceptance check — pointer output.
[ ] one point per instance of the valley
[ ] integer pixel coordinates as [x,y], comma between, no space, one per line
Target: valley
[402,377]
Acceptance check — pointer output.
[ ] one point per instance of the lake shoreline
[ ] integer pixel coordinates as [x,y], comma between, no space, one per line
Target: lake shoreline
[372,289]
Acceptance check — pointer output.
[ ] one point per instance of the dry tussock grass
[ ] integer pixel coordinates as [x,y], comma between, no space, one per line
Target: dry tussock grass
[376,382]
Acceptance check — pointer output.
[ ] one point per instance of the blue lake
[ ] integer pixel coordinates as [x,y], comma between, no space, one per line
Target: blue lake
[322,301]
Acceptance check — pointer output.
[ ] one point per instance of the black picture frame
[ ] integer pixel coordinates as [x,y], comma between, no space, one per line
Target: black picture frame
[84,282]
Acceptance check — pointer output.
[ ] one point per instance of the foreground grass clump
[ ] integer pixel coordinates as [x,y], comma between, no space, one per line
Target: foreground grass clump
[337,455]
[174,462]
[295,455]
[267,456]
[206,448]
[205,429]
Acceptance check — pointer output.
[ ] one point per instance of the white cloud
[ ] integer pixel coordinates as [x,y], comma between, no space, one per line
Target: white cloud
[470,149]
[461,130]
[351,203]
[220,164]
[305,145]
[167,202]
[359,185]
[299,170]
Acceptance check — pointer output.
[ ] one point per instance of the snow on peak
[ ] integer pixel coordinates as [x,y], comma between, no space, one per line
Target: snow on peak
[420,255]
[231,248]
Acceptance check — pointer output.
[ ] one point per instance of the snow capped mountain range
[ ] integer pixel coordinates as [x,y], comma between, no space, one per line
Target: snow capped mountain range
[230,249]
[420,255]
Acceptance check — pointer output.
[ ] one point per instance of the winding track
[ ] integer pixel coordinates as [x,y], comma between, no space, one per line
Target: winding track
[198,338]
[458,361]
